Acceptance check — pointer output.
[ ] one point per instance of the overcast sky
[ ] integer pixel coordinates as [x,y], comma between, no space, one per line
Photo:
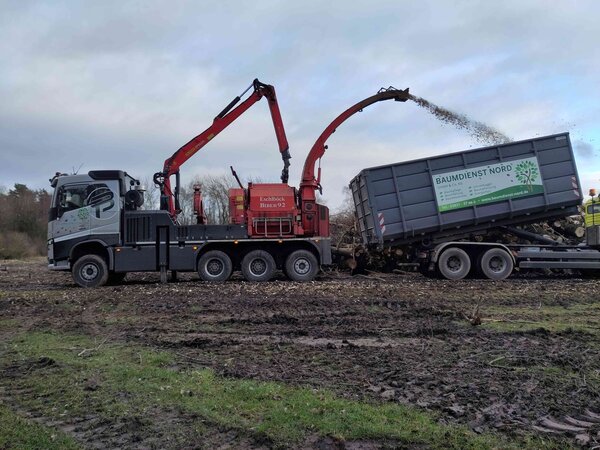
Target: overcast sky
[122,85]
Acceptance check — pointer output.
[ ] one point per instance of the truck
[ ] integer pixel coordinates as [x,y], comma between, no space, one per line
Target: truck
[98,230]
[435,207]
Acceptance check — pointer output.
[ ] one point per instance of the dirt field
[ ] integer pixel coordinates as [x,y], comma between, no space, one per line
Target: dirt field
[524,362]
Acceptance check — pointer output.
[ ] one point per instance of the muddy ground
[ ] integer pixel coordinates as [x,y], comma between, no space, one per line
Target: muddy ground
[527,359]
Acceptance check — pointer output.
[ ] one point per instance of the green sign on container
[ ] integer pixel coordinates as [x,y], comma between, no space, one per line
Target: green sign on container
[487,184]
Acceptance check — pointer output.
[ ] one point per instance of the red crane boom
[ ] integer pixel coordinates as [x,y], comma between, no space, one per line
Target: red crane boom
[169,198]
[309,182]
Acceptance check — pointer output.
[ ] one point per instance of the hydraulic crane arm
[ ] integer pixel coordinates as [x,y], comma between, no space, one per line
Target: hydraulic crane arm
[309,182]
[222,121]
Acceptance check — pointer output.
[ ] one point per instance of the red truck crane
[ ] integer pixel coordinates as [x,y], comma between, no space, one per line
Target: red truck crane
[313,222]
[279,210]
[169,198]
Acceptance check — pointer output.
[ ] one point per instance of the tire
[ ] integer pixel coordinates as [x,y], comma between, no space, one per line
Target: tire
[116,278]
[90,271]
[496,264]
[301,265]
[258,265]
[454,264]
[215,265]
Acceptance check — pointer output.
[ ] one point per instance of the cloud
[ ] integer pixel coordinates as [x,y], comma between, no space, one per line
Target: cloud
[124,84]
[584,150]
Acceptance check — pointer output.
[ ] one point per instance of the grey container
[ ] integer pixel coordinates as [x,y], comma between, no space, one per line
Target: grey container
[398,204]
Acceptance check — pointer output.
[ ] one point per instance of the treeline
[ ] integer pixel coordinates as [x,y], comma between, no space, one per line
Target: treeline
[23,222]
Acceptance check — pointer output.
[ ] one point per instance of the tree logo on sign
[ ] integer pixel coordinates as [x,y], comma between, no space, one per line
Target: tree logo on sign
[527,172]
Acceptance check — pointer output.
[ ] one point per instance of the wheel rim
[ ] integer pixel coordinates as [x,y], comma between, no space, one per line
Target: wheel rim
[89,272]
[454,264]
[497,264]
[258,267]
[214,267]
[302,266]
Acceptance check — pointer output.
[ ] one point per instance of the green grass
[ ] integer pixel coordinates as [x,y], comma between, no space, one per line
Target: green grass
[7,324]
[576,317]
[132,380]
[53,297]
[19,433]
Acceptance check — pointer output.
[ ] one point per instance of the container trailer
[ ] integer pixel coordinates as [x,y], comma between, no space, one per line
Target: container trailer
[436,206]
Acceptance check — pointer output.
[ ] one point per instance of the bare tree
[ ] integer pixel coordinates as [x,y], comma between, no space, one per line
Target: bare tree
[342,221]
[215,194]
[152,194]
[186,205]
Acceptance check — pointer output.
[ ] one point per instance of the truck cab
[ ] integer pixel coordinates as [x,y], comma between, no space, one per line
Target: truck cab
[85,219]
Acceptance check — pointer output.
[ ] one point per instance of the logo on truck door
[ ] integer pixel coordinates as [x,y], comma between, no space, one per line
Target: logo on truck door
[487,184]
[101,199]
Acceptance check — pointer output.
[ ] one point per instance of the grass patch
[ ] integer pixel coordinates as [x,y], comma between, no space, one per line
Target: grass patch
[43,295]
[19,433]
[576,317]
[130,380]
[8,323]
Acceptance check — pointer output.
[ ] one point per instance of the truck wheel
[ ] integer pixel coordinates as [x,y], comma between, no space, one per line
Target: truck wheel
[90,271]
[215,265]
[454,264]
[258,265]
[496,264]
[301,265]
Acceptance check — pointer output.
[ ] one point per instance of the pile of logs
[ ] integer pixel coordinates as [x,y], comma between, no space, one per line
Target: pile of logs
[358,258]
[568,230]
[350,254]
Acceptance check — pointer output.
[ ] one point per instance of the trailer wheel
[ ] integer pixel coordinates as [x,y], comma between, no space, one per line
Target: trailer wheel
[258,265]
[301,265]
[215,265]
[454,264]
[496,264]
[90,271]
